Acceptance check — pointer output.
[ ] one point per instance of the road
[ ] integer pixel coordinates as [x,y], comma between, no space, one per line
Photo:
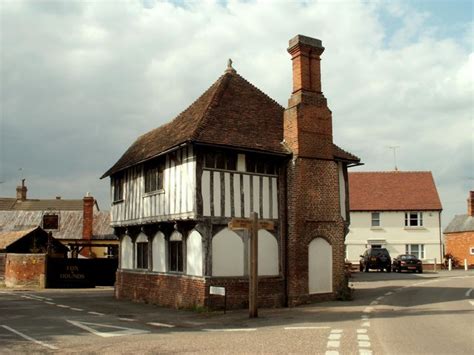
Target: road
[391,314]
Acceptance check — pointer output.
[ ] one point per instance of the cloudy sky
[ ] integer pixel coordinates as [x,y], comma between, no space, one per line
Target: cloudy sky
[80,80]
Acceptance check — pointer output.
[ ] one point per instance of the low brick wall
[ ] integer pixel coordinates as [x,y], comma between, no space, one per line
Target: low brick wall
[182,291]
[25,270]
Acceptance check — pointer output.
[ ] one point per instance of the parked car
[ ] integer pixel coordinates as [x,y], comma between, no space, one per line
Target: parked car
[407,262]
[375,258]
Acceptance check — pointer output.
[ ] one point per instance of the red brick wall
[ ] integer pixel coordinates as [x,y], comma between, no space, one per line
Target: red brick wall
[459,244]
[25,270]
[181,291]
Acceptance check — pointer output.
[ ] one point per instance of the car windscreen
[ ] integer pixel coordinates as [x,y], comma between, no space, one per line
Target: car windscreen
[408,257]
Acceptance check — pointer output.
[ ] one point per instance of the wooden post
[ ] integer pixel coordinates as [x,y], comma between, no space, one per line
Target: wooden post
[253,284]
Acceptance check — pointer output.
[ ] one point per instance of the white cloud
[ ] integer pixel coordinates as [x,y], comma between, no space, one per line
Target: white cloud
[81,80]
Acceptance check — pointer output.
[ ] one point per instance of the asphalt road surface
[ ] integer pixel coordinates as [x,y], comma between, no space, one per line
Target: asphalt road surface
[391,314]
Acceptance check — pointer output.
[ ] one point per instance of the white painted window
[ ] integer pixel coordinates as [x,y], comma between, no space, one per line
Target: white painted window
[375,221]
[227,254]
[413,219]
[319,266]
[159,252]
[194,254]
[126,254]
[267,254]
[415,249]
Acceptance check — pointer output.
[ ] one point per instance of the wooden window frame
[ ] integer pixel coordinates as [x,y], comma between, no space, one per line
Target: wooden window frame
[118,188]
[142,255]
[154,175]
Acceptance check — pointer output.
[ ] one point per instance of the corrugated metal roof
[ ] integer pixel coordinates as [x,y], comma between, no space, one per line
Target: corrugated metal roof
[460,223]
[7,204]
[70,223]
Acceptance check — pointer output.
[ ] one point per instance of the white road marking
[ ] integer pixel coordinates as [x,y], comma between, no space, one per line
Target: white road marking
[333,344]
[364,344]
[332,352]
[472,303]
[368,309]
[336,331]
[161,324]
[40,297]
[361,331]
[128,319]
[362,337]
[77,309]
[468,293]
[231,330]
[389,293]
[365,352]
[49,302]
[62,306]
[119,331]
[365,317]
[27,297]
[303,328]
[379,298]
[96,313]
[193,323]
[334,336]
[49,346]
[366,324]
[374,303]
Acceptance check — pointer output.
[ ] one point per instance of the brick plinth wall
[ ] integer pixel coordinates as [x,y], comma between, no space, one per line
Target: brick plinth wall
[181,291]
[25,270]
[459,244]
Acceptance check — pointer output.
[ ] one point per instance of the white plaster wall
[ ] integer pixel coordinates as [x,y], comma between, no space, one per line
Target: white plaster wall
[126,253]
[227,254]
[267,254]
[319,266]
[194,254]
[159,252]
[392,229]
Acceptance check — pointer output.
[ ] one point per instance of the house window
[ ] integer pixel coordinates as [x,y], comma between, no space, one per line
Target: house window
[142,255]
[413,219]
[154,175]
[118,188]
[176,252]
[375,219]
[415,249]
[220,160]
[259,164]
[50,221]
[471,250]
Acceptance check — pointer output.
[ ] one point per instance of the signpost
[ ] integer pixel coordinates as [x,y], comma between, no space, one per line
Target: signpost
[220,291]
[253,225]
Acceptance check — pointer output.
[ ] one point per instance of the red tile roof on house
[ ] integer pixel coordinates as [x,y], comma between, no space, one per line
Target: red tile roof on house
[231,113]
[393,191]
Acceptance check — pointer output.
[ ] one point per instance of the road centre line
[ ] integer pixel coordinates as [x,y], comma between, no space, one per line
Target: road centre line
[62,306]
[231,330]
[49,302]
[96,313]
[364,344]
[366,324]
[363,337]
[76,309]
[156,324]
[305,327]
[468,293]
[49,346]
[365,352]
[361,331]
[127,319]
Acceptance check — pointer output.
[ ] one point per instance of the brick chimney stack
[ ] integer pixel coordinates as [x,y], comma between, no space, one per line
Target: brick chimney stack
[470,204]
[307,120]
[87,217]
[21,191]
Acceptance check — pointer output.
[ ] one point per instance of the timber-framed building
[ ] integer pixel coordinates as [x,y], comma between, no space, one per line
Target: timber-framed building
[231,152]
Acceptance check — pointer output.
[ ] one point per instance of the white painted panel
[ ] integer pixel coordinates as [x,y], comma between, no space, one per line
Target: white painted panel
[342,191]
[319,266]
[240,162]
[192,179]
[266,197]
[177,183]
[227,254]
[126,248]
[184,181]
[237,196]
[247,196]
[166,184]
[267,254]
[159,252]
[217,194]
[256,194]
[206,192]
[274,198]
[172,194]
[194,254]
[227,195]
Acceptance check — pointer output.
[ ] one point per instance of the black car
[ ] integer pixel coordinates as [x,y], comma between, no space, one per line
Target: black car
[375,258]
[407,262]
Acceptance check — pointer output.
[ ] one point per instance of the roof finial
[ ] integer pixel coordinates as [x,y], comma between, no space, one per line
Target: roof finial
[230,69]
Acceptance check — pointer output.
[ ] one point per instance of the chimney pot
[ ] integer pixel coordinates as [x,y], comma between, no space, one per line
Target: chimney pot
[21,191]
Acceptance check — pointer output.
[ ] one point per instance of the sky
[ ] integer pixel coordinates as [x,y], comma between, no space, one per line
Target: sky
[81,80]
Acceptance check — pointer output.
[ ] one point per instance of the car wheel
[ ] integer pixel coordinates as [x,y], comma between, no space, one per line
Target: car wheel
[420,271]
[366,268]
[389,269]
[361,268]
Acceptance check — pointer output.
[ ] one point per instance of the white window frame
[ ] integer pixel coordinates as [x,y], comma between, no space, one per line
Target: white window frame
[420,253]
[416,217]
[375,219]
[471,250]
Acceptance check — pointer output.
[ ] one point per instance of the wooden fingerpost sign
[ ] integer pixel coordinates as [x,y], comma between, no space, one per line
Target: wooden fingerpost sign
[253,225]
[215,290]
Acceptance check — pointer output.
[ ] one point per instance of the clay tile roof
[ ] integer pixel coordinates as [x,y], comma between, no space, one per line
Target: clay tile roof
[341,154]
[393,191]
[232,112]
[460,223]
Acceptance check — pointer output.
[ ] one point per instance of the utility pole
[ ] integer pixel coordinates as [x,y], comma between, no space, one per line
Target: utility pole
[394,148]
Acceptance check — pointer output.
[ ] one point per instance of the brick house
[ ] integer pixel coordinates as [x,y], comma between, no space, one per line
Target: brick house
[397,210]
[234,151]
[77,223]
[459,234]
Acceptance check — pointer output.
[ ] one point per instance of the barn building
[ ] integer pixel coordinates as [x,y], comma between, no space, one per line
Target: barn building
[231,152]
